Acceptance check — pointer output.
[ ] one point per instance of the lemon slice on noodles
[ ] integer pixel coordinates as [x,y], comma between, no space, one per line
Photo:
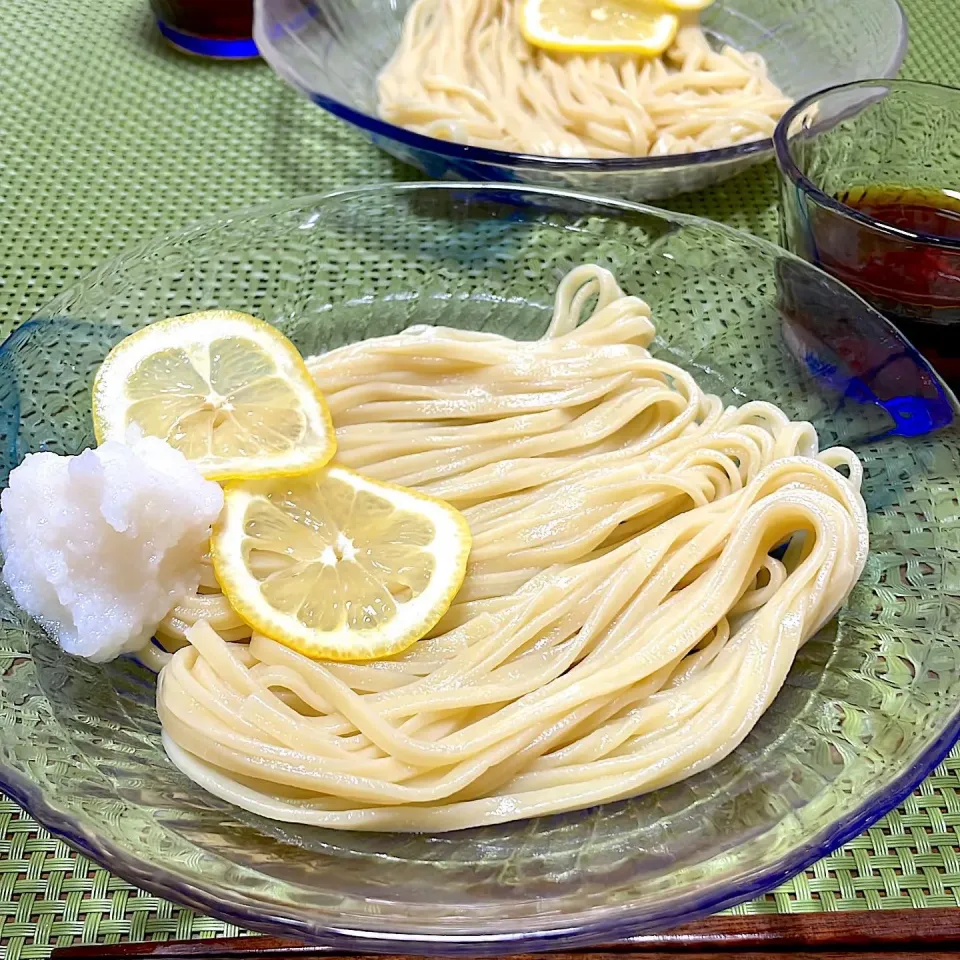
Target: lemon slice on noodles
[686,6]
[337,566]
[228,391]
[598,26]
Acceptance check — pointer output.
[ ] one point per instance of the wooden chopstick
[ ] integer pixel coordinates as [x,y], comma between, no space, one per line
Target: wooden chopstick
[889,934]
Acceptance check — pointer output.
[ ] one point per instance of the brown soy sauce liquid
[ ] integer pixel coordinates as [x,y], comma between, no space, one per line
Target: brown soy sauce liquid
[915,284]
[228,19]
[919,210]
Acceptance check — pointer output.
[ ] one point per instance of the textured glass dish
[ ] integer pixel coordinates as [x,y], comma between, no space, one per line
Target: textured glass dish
[332,52]
[872,704]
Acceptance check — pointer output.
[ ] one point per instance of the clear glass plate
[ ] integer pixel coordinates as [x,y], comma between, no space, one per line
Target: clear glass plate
[332,53]
[869,709]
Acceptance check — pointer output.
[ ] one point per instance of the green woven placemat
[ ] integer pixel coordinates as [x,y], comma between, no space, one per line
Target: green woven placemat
[108,138]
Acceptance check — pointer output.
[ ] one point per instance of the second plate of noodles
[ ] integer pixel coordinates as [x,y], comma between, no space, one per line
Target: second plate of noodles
[456,88]
[646,563]
[464,72]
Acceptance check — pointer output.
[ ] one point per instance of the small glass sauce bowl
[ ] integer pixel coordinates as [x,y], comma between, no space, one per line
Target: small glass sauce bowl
[870,192]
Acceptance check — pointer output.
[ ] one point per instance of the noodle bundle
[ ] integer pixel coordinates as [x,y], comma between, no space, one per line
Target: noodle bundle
[646,564]
[464,72]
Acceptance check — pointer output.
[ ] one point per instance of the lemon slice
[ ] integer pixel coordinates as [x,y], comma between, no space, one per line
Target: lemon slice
[686,6]
[598,26]
[337,566]
[228,391]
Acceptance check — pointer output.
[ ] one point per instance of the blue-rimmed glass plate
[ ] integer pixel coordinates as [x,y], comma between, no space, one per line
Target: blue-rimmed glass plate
[872,704]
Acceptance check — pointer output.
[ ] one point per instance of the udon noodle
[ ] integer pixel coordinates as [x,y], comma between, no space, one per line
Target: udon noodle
[463,72]
[646,564]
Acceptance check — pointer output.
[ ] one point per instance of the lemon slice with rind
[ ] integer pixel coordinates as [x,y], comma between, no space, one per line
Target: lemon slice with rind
[686,6]
[598,26]
[227,390]
[337,566]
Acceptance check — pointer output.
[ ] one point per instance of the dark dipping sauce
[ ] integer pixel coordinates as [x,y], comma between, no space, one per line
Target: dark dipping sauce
[218,28]
[915,282]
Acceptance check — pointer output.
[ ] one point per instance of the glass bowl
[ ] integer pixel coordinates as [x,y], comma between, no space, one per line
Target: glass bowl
[892,142]
[332,52]
[871,706]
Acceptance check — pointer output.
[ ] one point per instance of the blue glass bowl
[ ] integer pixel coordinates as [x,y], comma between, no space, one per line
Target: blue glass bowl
[332,53]
[871,706]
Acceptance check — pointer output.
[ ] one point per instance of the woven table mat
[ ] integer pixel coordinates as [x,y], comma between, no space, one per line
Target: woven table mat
[108,138]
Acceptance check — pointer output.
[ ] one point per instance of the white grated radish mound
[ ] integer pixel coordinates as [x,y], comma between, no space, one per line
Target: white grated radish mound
[98,547]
